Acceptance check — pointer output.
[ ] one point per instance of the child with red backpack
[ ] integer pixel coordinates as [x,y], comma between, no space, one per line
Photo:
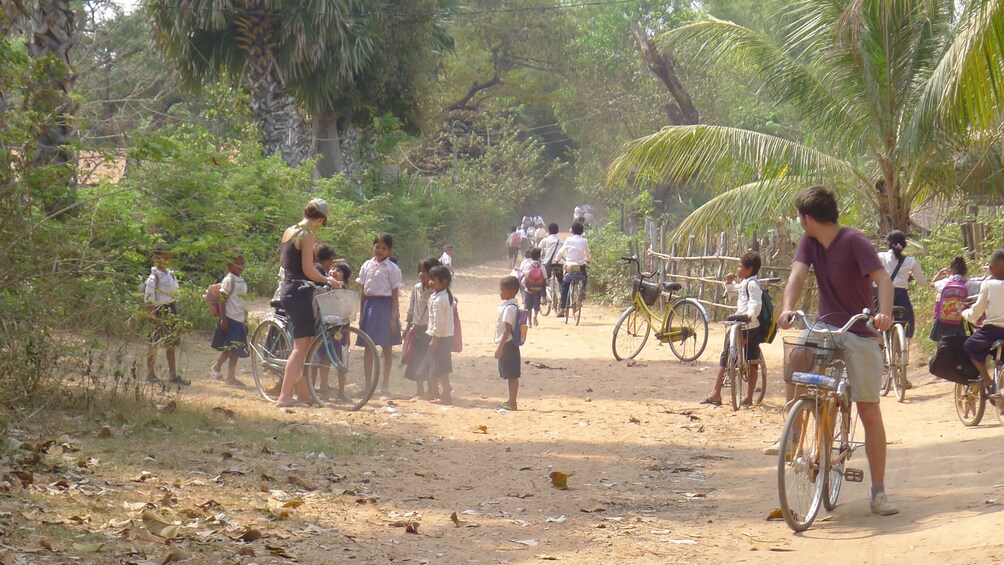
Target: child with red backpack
[534,278]
[953,288]
[514,245]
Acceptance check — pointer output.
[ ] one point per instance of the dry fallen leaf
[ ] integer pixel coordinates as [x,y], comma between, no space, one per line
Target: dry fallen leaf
[411,528]
[775,514]
[225,412]
[249,535]
[158,525]
[176,554]
[455,519]
[633,420]
[482,429]
[88,547]
[294,503]
[559,480]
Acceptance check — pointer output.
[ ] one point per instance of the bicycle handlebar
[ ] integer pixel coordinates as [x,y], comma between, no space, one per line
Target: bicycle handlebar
[865,315]
[313,285]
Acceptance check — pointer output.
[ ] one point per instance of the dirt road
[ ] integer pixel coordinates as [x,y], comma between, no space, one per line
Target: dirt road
[655,477]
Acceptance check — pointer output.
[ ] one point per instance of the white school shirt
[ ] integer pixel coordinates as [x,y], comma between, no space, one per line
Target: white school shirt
[750,299]
[418,305]
[380,278]
[910,267]
[972,285]
[446,259]
[440,315]
[161,287]
[235,288]
[575,251]
[989,301]
[506,315]
[550,248]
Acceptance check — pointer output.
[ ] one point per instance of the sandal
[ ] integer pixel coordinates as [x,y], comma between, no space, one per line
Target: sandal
[505,407]
[711,402]
[746,403]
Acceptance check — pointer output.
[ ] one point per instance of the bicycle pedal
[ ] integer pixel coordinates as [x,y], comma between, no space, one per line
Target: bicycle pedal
[854,475]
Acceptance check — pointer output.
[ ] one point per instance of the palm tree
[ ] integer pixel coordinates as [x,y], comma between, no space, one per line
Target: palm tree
[892,92]
[264,44]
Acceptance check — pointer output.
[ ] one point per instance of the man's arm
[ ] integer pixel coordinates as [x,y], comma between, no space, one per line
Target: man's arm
[792,292]
[883,320]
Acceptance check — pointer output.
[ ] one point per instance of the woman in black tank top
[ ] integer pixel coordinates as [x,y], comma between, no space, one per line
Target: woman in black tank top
[296,254]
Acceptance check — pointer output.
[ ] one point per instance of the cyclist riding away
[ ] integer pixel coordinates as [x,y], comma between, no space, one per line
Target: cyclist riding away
[575,255]
[846,265]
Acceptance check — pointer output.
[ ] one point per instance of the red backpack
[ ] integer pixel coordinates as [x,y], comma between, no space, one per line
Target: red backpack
[515,240]
[213,299]
[535,278]
[951,303]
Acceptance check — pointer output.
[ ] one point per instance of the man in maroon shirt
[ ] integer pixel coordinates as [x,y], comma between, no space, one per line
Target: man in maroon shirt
[846,264]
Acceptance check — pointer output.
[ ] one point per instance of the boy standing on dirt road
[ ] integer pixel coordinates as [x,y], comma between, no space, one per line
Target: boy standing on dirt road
[846,264]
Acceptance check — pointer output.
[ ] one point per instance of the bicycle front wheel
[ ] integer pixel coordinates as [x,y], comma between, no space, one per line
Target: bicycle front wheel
[687,325]
[270,347]
[970,403]
[898,358]
[799,464]
[576,299]
[340,358]
[733,376]
[839,453]
[630,334]
[547,299]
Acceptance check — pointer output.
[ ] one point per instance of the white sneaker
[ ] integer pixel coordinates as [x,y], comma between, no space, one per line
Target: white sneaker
[773,449]
[882,506]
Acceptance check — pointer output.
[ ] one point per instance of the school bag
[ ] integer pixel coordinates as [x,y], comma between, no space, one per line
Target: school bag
[535,278]
[213,299]
[952,363]
[515,240]
[768,324]
[519,329]
[951,303]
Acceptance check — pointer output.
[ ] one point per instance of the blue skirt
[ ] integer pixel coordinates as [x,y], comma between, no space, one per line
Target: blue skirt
[234,340]
[900,297]
[375,321]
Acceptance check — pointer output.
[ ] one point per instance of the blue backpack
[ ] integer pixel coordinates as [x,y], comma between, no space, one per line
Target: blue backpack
[519,329]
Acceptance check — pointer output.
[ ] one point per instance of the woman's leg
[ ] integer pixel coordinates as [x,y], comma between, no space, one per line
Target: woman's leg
[291,376]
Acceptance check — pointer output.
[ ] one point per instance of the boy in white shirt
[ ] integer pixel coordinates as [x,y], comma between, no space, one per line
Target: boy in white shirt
[989,302]
[160,297]
[749,303]
[446,259]
[507,352]
[574,254]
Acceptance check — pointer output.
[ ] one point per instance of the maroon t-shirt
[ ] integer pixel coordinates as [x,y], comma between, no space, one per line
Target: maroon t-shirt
[842,275]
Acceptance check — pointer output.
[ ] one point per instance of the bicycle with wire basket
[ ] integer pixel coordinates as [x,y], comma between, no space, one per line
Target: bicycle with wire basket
[895,355]
[336,345]
[817,440]
[683,323]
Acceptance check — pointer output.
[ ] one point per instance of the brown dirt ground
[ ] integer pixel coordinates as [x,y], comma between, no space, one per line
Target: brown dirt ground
[655,476]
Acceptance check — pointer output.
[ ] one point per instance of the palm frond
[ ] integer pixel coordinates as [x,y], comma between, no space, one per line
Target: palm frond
[777,74]
[966,90]
[720,157]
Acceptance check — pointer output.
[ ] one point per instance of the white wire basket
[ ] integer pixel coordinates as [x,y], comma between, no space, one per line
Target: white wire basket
[338,304]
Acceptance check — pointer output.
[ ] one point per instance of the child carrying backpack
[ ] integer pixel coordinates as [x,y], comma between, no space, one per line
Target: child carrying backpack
[953,288]
[514,245]
[510,334]
[534,279]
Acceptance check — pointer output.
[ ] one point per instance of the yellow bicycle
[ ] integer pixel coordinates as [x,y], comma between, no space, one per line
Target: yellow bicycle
[682,324]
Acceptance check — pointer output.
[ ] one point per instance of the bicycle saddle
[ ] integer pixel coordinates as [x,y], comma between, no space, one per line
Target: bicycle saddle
[275,303]
[898,312]
[735,318]
[670,286]
[997,344]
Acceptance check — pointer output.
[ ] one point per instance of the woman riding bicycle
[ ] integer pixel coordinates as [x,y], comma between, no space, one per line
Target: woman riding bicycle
[296,250]
[902,269]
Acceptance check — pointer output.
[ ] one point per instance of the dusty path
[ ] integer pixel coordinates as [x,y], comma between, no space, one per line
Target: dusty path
[655,477]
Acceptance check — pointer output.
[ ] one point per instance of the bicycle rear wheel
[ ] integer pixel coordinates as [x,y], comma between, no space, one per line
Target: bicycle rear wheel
[270,347]
[687,325]
[839,453]
[886,370]
[733,376]
[630,334]
[577,287]
[548,298]
[970,403]
[898,358]
[800,459]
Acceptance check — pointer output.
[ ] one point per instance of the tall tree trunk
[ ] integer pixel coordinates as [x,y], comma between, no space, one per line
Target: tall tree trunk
[681,109]
[280,125]
[893,207]
[327,144]
[51,37]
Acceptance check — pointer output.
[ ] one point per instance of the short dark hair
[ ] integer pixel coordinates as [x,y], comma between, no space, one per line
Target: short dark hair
[325,252]
[344,268]
[997,257]
[751,259]
[509,283]
[428,263]
[442,273]
[958,265]
[385,238]
[552,228]
[577,228]
[896,237]
[535,254]
[818,202]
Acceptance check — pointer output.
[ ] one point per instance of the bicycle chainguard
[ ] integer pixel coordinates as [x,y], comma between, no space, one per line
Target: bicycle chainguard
[854,475]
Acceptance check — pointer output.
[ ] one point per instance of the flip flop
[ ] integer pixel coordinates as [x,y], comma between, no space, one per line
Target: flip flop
[711,402]
[505,407]
[293,404]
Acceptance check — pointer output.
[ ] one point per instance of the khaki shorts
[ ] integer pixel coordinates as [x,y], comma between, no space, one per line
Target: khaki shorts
[865,366]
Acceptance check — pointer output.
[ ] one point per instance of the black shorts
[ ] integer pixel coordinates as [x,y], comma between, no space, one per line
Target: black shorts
[165,330]
[509,361]
[299,307]
[753,339]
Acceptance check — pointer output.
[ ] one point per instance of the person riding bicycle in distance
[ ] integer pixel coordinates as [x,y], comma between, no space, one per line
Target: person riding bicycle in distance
[575,256]
[845,264]
[749,301]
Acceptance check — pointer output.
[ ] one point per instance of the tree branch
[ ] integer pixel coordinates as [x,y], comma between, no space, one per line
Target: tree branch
[682,110]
